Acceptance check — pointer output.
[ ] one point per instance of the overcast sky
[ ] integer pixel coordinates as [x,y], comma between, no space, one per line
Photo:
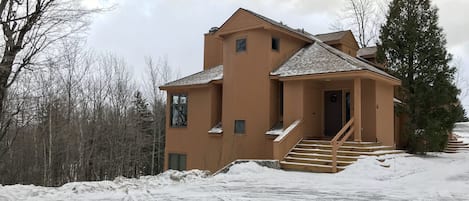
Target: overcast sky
[174,28]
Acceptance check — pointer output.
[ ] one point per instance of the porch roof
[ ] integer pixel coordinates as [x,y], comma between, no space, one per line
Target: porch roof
[320,58]
[202,77]
[366,52]
[334,36]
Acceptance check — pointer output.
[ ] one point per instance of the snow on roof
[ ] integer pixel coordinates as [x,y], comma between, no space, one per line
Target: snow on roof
[202,77]
[319,58]
[367,51]
[395,100]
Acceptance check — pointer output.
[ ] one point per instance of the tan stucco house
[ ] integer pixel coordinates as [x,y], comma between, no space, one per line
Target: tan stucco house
[267,88]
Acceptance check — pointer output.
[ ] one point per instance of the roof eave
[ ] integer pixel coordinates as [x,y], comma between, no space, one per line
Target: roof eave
[190,86]
[342,74]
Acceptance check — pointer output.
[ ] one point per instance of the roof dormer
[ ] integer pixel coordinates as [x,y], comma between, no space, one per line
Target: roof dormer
[341,40]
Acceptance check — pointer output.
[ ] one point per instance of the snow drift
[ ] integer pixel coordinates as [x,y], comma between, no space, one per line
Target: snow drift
[438,176]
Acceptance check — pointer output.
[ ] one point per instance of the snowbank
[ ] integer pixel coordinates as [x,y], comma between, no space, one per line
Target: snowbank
[117,189]
[438,176]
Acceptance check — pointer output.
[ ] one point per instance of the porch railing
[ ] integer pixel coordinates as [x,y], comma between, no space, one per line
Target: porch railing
[290,136]
[339,139]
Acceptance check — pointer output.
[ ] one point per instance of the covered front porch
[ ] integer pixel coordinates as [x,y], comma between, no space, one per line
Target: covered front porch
[319,106]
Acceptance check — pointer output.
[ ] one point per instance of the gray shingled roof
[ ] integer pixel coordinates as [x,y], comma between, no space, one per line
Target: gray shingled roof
[367,51]
[316,58]
[320,58]
[301,32]
[331,36]
[202,77]
[304,66]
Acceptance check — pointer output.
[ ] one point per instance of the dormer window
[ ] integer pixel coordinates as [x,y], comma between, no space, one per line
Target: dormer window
[241,45]
[276,44]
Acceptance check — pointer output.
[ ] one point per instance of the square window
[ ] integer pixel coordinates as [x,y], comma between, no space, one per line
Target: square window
[240,127]
[241,45]
[275,44]
[177,161]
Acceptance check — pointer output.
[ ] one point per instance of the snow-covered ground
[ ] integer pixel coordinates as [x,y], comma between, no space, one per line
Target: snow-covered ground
[462,131]
[434,177]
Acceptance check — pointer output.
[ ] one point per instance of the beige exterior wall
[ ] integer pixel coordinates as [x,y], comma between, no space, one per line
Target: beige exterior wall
[368,110]
[293,101]
[213,51]
[249,93]
[203,150]
[312,109]
[349,45]
[288,47]
[246,96]
[385,113]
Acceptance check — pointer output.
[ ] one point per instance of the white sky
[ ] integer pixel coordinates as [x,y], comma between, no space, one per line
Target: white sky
[174,29]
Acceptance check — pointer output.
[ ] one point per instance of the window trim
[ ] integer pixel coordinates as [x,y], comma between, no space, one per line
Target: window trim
[245,45]
[172,105]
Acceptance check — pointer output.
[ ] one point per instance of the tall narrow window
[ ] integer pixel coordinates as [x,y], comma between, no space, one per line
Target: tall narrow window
[241,45]
[177,161]
[275,44]
[179,110]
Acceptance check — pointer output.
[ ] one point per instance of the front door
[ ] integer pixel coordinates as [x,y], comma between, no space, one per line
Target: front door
[333,112]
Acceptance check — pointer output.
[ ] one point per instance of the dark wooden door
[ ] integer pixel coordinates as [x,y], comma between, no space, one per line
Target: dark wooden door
[333,112]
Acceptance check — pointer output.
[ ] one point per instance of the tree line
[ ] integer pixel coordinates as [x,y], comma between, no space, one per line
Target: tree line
[83,117]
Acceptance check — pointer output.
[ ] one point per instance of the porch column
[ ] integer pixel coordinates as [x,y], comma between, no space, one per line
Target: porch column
[357,111]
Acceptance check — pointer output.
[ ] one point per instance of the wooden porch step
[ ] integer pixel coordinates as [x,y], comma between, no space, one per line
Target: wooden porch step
[455,141]
[322,156]
[345,148]
[316,155]
[316,161]
[458,146]
[308,167]
[348,153]
[346,143]
[450,151]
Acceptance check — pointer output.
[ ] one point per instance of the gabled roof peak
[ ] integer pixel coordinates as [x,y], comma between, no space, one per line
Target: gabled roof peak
[300,32]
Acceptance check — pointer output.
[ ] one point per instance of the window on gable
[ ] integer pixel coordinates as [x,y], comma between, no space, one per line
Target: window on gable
[177,161]
[276,44]
[240,127]
[241,45]
[179,110]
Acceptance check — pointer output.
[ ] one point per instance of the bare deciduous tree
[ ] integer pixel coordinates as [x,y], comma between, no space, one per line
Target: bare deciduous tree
[159,73]
[28,28]
[364,18]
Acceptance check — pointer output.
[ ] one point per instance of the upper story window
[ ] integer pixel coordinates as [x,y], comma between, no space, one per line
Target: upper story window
[179,110]
[276,44]
[241,45]
[240,127]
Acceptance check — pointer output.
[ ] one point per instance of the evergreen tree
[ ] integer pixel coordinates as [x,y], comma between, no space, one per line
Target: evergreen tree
[413,46]
[460,113]
[143,119]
